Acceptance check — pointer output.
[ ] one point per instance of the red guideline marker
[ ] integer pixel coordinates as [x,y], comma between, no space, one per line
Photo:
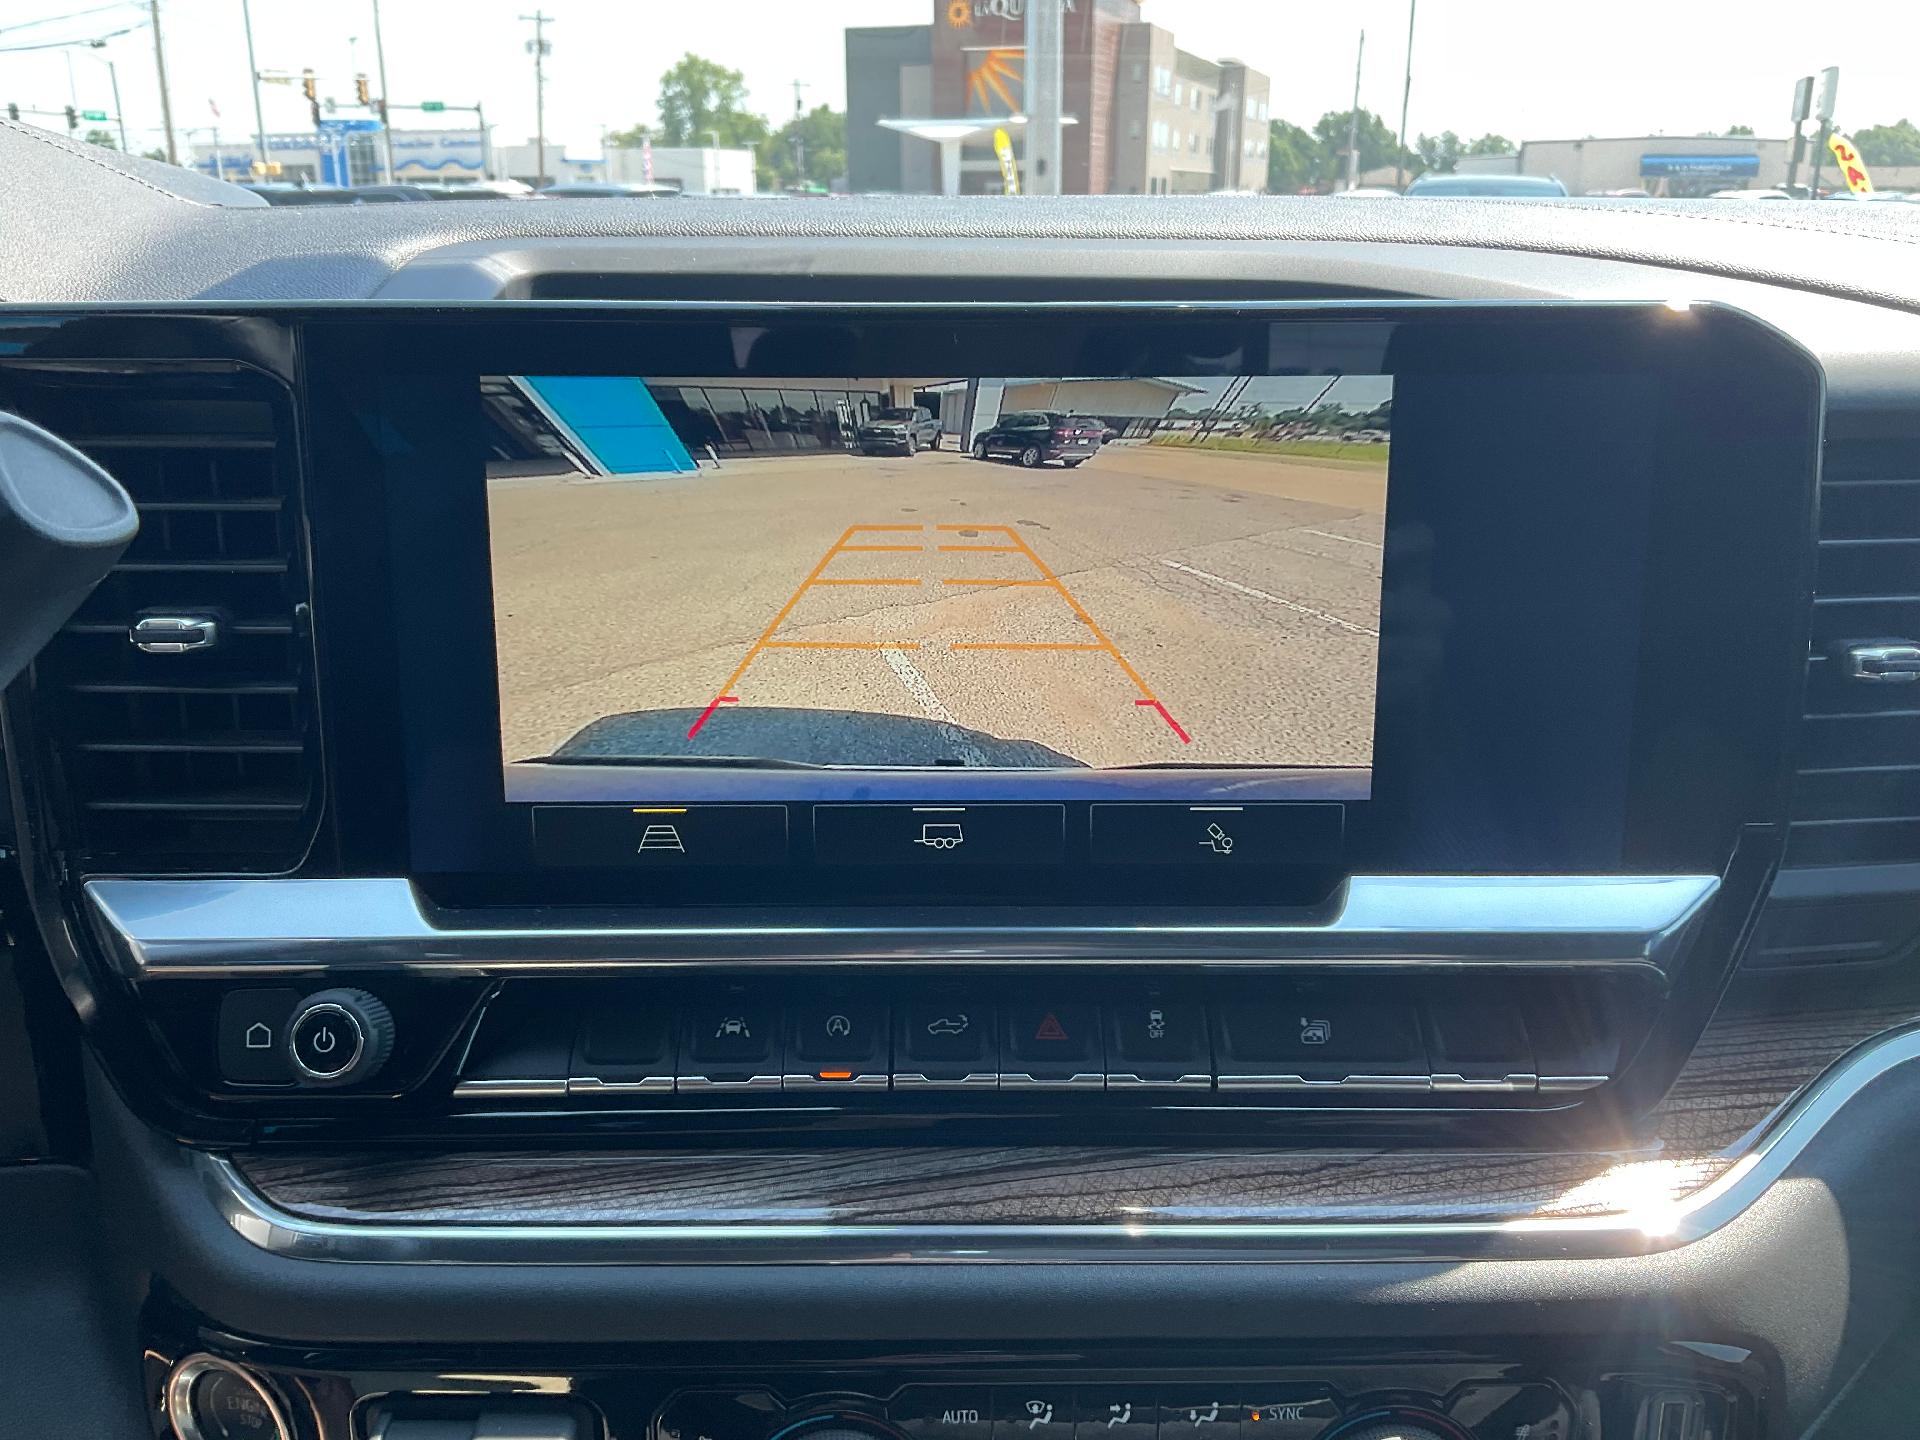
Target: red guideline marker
[1185,739]
[719,700]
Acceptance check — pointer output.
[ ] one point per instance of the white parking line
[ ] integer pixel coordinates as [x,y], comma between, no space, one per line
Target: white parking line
[923,696]
[1271,599]
[1329,535]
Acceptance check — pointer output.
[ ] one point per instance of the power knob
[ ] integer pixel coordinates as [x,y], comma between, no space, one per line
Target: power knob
[339,1037]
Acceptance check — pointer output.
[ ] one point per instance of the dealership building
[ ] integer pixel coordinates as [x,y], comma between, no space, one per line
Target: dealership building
[1141,116]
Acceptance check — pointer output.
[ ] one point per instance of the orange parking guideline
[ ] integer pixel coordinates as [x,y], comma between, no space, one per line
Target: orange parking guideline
[1018,546]
[726,695]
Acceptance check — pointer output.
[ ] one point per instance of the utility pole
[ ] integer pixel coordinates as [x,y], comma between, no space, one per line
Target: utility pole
[253,74]
[539,47]
[799,143]
[160,64]
[1823,111]
[380,64]
[1406,94]
[1045,63]
[1353,120]
[113,76]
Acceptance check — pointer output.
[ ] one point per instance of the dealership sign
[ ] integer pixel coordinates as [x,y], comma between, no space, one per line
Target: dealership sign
[961,13]
[1711,167]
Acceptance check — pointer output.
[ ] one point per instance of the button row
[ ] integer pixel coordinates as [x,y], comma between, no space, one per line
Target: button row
[689,836]
[628,1041]
[1047,1410]
[1112,1412]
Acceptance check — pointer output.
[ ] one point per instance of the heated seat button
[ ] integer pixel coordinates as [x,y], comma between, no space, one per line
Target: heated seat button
[946,1040]
[1200,1413]
[1034,1412]
[1051,1042]
[1156,1039]
[943,1412]
[1299,1038]
[1117,1412]
[252,1036]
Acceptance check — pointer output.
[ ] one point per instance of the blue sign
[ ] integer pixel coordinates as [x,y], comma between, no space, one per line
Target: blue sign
[1718,167]
[335,135]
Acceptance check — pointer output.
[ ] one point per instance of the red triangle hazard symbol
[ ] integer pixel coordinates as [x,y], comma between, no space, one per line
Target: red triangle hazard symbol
[1051,1028]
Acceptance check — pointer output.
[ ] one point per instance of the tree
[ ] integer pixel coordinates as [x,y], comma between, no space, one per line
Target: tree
[102,138]
[154,154]
[1896,144]
[1376,143]
[630,138]
[703,102]
[1437,154]
[1292,158]
[1733,130]
[1493,143]
[822,137]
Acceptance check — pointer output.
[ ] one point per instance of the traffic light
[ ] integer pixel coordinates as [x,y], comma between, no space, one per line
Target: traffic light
[73,118]
[310,87]
[13,111]
[360,90]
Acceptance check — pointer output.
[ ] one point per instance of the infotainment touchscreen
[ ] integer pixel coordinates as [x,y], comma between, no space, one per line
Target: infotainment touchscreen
[1038,574]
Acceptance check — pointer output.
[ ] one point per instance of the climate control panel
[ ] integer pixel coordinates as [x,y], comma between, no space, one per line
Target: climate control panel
[1047,1409]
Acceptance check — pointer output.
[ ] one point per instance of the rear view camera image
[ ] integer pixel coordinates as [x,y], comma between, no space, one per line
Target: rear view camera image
[1023,574]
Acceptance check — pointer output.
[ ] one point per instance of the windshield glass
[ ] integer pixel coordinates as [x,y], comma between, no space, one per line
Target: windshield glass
[743,99]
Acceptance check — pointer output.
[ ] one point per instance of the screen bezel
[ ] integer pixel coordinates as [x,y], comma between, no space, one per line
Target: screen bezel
[1715,691]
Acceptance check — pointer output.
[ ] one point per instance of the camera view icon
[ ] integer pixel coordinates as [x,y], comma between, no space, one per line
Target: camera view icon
[661,837]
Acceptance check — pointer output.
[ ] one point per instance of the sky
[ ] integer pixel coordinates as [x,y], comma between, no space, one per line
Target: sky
[1527,69]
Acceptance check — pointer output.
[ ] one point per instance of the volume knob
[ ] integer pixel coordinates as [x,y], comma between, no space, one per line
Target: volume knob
[339,1037]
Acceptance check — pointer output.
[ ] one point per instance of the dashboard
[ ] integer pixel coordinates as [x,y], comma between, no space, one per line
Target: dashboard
[740,831]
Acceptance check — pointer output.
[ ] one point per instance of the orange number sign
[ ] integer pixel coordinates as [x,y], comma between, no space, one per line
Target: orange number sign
[1851,165]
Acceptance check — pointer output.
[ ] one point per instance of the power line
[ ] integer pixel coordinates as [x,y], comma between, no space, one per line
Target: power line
[70,15]
[74,44]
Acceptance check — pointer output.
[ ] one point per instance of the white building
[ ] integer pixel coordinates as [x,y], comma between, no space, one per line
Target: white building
[522,162]
[697,170]
[347,152]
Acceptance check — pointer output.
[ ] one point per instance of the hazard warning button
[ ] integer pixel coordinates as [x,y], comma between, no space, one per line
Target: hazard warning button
[1053,1044]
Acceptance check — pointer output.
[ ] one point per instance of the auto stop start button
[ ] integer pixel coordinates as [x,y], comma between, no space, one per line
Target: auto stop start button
[327,1041]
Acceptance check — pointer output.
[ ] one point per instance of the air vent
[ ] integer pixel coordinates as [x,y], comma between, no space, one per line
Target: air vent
[195,748]
[1857,796]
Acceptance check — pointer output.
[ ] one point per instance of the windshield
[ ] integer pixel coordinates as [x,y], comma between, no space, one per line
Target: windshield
[750,100]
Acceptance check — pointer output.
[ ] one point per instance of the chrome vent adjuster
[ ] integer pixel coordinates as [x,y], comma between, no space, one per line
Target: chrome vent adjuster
[177,707]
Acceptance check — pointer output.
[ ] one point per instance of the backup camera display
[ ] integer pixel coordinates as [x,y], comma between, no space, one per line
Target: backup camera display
[934,572]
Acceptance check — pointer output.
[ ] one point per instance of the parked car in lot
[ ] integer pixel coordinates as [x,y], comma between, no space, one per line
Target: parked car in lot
[1033,437]
[902,429]
[1499,187]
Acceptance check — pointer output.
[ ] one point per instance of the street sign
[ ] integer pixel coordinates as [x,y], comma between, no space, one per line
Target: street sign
[93,114]
[1802,100]
[1851,165]
[433,107]
[1829,89]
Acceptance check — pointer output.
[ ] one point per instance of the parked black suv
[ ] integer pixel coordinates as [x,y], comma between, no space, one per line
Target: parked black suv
[907,429]
[1033,437]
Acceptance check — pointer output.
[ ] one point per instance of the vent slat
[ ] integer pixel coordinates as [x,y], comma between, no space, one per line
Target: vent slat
[202,760]
[1857,792]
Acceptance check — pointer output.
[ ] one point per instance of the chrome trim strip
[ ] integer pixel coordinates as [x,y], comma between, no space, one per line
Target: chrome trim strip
[1649,1228]
[1503,1084]
[270,927]
[508,1089]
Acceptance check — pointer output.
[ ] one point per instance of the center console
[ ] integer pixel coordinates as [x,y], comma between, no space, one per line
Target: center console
[700,785]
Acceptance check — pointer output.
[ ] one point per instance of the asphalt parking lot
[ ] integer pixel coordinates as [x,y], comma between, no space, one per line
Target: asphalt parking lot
[1156,604]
